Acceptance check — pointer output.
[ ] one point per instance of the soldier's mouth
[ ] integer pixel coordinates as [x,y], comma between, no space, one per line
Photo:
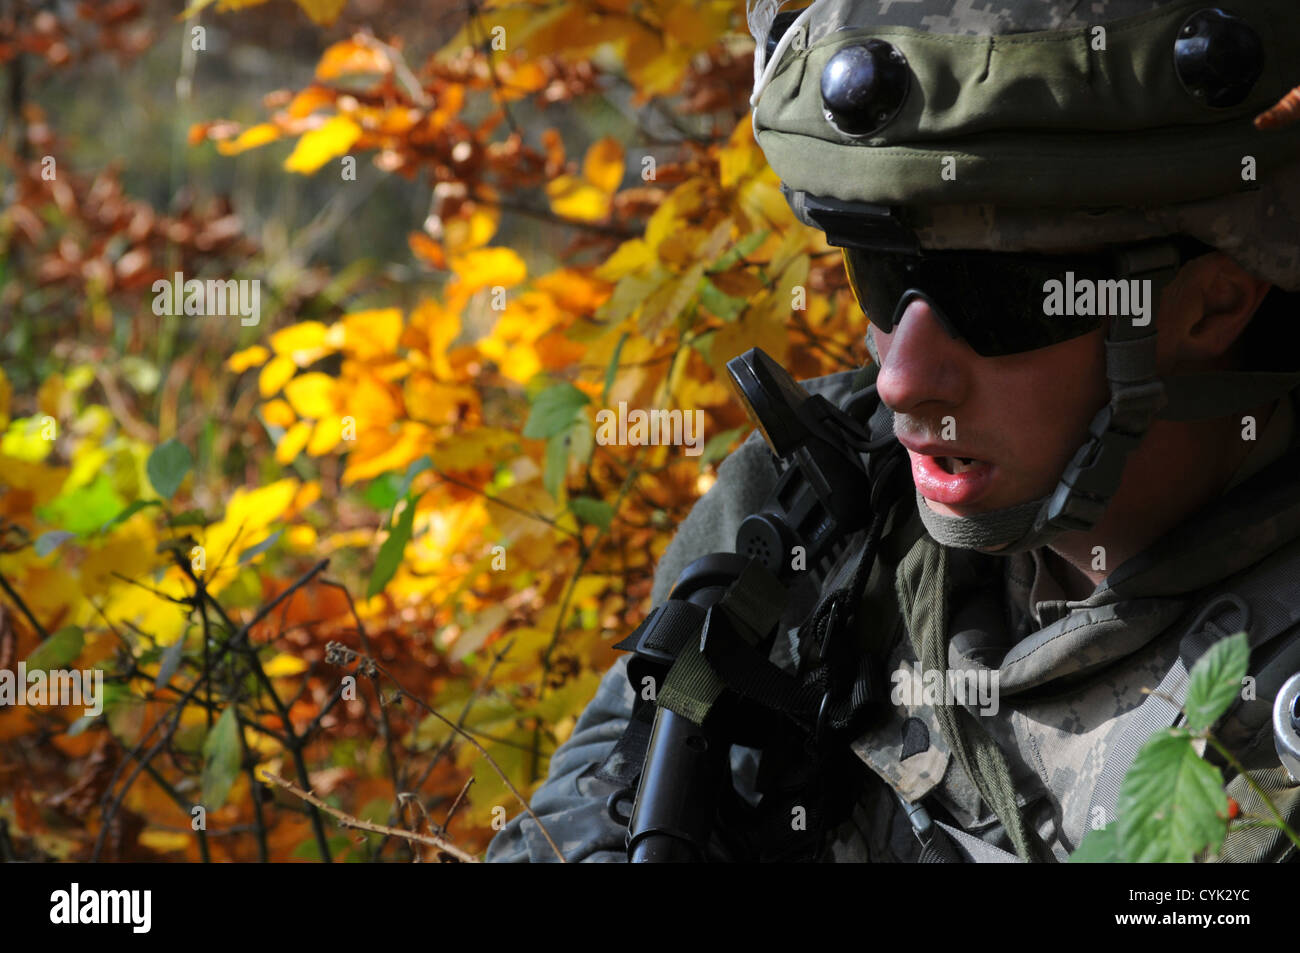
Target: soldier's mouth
[957,464]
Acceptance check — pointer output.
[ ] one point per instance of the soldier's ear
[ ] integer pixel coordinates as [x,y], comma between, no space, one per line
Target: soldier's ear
[1217,300]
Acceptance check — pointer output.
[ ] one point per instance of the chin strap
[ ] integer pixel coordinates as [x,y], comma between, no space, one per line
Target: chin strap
[1137,396]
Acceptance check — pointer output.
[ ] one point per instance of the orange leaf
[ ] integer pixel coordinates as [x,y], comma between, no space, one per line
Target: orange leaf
[426,249]
[250,138]
[603,165]
[349,56]
[309,100]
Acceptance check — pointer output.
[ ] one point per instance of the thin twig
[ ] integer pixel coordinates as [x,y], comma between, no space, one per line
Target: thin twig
[481,750]
[22,607]
[347,820]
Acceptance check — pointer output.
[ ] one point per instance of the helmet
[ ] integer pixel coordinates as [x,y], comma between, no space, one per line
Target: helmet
[1040,126]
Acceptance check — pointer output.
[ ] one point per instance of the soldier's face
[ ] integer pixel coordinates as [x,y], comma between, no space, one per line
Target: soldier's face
[1019,417]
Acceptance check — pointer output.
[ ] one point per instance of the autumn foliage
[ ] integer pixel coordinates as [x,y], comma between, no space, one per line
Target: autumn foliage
[411,495]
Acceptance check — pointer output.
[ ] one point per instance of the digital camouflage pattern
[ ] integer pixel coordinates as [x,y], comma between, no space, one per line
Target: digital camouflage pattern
[1042,120]
[1071,673]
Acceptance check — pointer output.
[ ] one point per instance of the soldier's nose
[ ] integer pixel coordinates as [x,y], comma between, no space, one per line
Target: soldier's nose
[920,362]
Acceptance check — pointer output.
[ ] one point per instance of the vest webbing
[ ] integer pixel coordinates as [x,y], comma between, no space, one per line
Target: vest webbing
[922,594]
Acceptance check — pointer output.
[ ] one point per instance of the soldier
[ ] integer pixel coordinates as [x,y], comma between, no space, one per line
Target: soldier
[1081,264]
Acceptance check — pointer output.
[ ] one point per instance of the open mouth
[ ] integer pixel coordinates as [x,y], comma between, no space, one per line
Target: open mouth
[957,464]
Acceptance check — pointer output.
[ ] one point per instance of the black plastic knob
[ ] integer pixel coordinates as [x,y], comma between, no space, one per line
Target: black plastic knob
[780,24]
[1218,57]
[863,87]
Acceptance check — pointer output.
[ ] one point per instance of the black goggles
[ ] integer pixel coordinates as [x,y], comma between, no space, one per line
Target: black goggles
[996,301]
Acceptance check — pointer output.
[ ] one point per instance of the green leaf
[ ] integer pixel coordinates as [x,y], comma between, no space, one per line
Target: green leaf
[1171,802]
[382,493]
[556,464]
[112,695]
[167,466]
[189,518]
[308,850]
[390,553]
[85,509]
[742,249]
[1099,847]
[47,543]
[252,552]
[171,661]
[719,302]
[127,513]
[597,512]
[1215,681]
[613,367]
[719,445]
[220,759]
[553,410]
[415,469]
[59,650]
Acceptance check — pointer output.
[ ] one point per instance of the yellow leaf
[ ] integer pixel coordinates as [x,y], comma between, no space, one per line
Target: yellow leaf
[304,336]
[377,452]
[434,402]
[766,207]
[754,329]
[248,514]
[322,144]
[440,328]
[459,235]
[633,255]
[684,201]
[241,361]
[518,81]
[292,442]
[573,198]
[164,841]
[603,165]
[274,374]
[278,413]
[284,665]
[250,138]
[484,267]
[662,74]
[311,395]
[371,402]
[740,158]
[301,538]
[325,436]
[697,25]
[482,445]
[368,335]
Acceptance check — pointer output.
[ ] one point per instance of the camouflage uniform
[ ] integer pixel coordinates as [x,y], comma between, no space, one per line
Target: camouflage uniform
[1063,698]
[1071,674]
